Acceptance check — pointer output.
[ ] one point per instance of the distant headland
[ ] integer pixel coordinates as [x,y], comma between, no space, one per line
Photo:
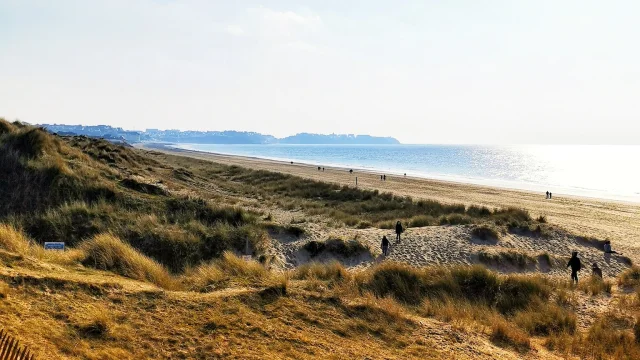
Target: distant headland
[212,137]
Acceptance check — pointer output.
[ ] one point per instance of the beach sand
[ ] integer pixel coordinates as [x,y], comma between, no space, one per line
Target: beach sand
[598,218]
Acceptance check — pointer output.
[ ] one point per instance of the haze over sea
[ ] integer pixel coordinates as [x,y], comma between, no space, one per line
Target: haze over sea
[603,171]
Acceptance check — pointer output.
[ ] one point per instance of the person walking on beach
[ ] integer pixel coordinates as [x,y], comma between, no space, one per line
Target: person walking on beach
[384,177]
[575,266]
[385,246]
[380,177]
[399,231]
[550,195]
[547,194]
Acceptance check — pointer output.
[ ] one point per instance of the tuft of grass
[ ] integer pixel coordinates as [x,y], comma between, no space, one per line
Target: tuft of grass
[344,248]
[595,286]
[421,221]
[332,272]
[511,257]
[486,233]
[13,240]
[96,324]
[107,252]
[475,284]
[545,319]
[504,333]
[630,278]
[542,219]
[4,290]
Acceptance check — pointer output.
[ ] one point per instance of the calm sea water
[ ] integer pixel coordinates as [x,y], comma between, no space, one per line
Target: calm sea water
[603,171]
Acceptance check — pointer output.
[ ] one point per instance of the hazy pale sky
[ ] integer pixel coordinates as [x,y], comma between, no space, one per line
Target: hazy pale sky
[421,71]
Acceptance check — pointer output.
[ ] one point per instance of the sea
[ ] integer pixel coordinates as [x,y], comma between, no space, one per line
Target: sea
[600,171]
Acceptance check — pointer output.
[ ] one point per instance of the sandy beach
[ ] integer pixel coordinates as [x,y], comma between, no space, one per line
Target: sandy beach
[598,218]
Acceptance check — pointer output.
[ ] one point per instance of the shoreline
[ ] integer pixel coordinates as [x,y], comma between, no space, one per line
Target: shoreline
[505,185]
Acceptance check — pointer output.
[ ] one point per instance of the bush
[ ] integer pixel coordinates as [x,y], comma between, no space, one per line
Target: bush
[107,252]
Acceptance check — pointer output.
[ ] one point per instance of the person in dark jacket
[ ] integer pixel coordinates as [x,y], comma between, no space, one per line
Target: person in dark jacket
[575,266]
[399,231]
[385,246]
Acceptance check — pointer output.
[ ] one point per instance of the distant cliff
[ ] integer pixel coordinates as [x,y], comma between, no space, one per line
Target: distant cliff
[306,138]
[211,137]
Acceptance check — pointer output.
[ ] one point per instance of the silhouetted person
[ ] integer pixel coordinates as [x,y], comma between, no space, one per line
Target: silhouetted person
[380,177]
[318,168]
[550,195]
[399,231]
[405,174]
[322,169]
[575,266]
[384,177]
[547,194]
[607,248]
[350,171]
[385,246]
[596,271]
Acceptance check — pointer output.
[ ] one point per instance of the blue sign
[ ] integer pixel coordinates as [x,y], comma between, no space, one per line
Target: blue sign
[51,245]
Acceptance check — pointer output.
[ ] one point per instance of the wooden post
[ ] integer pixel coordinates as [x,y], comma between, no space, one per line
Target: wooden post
[356,181]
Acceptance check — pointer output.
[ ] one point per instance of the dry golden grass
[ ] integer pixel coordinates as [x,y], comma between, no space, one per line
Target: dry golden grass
[107,252]
[505,334]
[13,240]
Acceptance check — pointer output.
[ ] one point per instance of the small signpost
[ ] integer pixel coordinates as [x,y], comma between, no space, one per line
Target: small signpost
[54,245]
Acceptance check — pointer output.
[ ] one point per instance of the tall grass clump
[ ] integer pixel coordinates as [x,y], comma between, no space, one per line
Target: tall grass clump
[505,334]
[331,272]
[545,319]
[221,272]
[14,240]
[630,278]
[505,293]
[107,252]
[486,233]
[344,248]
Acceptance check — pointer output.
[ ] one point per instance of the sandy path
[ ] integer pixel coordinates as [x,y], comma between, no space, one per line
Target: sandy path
[618,221]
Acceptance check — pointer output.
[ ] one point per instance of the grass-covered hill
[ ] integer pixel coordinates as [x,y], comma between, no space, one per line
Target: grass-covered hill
[151,270]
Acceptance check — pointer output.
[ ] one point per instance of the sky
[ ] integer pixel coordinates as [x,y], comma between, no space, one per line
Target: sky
[483,72]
